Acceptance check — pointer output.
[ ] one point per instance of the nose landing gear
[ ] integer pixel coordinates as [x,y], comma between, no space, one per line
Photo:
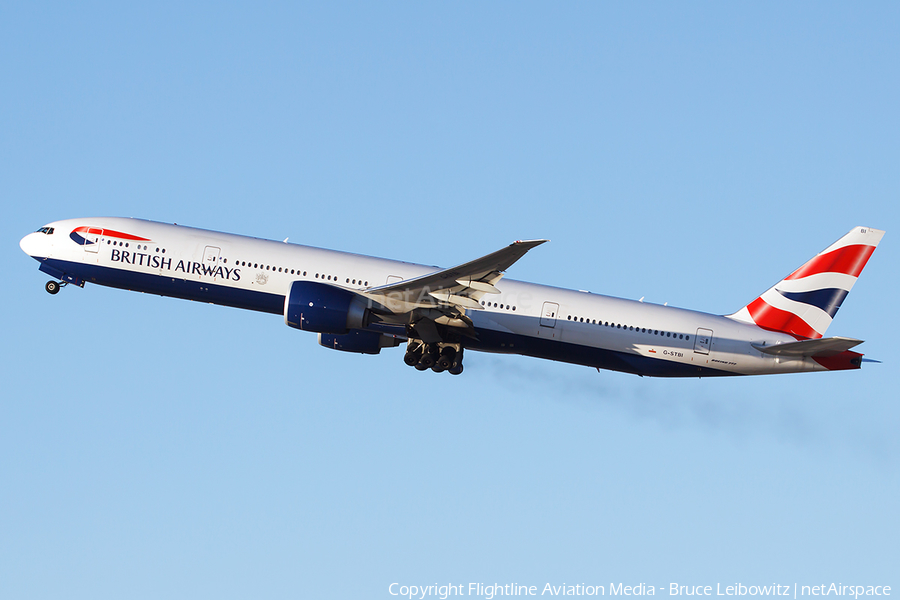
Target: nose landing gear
[62,280]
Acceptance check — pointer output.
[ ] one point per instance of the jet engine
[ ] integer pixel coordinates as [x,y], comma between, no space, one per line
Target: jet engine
[323,308]
[361,342]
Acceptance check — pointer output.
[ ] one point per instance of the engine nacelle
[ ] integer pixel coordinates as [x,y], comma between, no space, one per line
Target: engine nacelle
[323,308]
[359,341]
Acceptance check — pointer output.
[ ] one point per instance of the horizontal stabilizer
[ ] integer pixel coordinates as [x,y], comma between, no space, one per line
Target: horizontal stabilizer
[813,348]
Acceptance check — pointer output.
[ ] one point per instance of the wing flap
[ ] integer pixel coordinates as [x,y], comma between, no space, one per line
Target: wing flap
[456,299]
[478,286]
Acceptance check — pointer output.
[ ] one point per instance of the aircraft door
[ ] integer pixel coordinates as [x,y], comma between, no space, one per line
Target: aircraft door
[211,259]
[548,314]
[702,341]
[92,239]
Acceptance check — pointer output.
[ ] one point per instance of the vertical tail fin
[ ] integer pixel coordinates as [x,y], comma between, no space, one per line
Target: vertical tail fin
[804,303]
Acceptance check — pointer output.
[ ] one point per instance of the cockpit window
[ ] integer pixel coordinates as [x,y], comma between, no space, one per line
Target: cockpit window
[47,230]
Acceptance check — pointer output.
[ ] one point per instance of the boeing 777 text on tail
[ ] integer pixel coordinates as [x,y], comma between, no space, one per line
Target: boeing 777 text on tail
[363,304]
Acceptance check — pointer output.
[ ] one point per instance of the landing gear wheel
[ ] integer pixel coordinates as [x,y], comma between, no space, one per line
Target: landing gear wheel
[437,356]
[426,362]
[429,358]
[445,360]
[52,287]
[457,367]
[411,358]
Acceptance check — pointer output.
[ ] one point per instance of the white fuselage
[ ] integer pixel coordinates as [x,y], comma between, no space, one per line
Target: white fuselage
[525,318]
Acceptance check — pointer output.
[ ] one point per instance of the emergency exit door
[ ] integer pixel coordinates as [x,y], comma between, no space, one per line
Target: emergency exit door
[211,259]
[702,341]
[92,239]
[548,314]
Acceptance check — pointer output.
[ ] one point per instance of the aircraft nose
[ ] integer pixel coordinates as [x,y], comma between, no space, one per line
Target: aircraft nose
[30,244]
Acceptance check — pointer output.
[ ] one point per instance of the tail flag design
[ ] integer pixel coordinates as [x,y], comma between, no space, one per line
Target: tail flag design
[804,303]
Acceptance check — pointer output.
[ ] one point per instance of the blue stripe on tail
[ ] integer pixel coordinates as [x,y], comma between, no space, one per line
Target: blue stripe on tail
[829,299]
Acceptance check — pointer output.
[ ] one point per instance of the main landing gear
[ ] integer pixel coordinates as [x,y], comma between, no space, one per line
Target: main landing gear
[438,357]
[52,287]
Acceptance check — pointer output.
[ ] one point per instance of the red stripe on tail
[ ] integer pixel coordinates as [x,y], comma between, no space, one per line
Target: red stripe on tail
[774,319]
[849,260]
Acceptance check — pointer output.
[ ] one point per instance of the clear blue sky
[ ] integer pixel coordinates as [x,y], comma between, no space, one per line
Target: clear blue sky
[692,153]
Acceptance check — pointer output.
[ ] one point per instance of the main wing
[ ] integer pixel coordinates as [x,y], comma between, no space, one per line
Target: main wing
[449,292]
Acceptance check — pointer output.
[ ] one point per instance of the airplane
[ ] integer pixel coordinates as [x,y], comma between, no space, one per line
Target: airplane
[362,304]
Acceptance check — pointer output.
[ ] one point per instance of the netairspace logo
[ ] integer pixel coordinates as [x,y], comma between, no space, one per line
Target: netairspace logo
[490,591]
[777,589]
